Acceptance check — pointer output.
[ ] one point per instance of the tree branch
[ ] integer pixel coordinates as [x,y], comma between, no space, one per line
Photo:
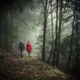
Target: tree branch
[42,3]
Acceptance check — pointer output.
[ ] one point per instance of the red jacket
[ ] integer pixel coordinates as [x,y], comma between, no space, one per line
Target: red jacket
[28,47]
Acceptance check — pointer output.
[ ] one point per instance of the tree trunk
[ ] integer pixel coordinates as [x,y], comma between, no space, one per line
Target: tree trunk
[44,31]
[52,49]
[69,59]
[77,42]
[59,33]
[56,28]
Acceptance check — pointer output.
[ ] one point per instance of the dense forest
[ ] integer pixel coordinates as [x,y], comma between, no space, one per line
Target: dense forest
[52,26]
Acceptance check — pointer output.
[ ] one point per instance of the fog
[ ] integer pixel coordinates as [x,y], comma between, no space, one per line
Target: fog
[22,22]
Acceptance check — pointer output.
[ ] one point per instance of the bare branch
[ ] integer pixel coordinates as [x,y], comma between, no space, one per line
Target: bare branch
[42,3]
[51,11]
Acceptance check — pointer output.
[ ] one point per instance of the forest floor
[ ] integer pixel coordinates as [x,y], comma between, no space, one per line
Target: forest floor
[16,68]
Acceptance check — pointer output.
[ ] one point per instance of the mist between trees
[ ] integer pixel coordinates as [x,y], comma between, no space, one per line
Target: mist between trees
[52,26]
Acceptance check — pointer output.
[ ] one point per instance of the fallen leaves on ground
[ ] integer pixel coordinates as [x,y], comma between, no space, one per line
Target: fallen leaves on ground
[13,68]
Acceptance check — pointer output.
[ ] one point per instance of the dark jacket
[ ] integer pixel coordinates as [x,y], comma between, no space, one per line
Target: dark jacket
[21,46]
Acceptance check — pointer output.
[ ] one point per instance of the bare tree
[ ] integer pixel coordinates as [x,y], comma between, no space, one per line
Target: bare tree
[52,48]
[59,32]
[44,2]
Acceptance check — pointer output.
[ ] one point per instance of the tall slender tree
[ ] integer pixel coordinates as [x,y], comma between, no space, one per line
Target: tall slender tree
[52,46]
[59,32]
[44,28]
[77,23]
[56,30]
[71,40]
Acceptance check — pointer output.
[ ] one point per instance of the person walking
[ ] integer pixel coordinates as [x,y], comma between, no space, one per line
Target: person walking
[21,48]
[28,48]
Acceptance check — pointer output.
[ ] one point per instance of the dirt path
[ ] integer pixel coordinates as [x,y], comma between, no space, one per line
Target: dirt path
[15,68]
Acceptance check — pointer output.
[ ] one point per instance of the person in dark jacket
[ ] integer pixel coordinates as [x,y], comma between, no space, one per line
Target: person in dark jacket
[21,48]
[29,48]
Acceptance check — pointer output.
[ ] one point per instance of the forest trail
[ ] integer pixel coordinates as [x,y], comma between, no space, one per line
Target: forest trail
[16,68]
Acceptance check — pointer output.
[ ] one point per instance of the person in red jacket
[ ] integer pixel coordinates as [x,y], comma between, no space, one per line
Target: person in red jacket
[29,48]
